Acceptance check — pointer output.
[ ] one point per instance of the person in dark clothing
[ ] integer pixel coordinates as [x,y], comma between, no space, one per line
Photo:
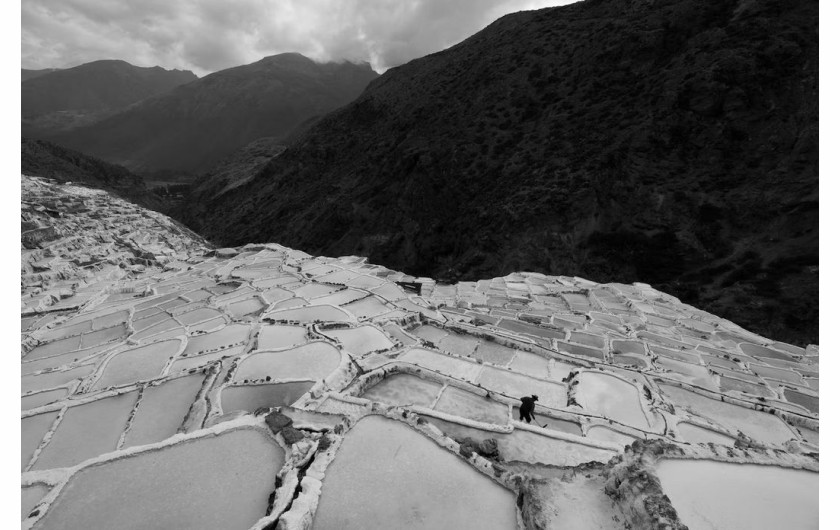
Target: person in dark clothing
[526,410]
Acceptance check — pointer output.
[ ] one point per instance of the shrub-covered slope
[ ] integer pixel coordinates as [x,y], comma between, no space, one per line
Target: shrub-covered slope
[672,142]
[39,158]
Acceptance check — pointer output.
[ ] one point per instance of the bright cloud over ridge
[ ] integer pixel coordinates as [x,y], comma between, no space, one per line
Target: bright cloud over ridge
[209,35]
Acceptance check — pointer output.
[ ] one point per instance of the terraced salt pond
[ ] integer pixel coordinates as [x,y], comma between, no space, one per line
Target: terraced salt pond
[312,361]
[252,397]
[279,336]
[404,389]
[139,364]
[517,385]
[230,335]
[605,434]
[30,497]
[360,340]
[162,410]
[409,483]
[87,431]
[219,481]
[462,403]
[314,313]
[762,426]
[33,401]
[715,495]
[259,327]
[695,434]
[612,397]
[30,383]
[195,361]
[32,431]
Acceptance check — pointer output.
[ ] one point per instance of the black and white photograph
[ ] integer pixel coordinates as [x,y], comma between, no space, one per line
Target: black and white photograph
[420,264]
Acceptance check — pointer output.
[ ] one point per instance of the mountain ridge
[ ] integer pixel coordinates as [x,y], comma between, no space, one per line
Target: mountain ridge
[64,99]
[193,126]
[673,143]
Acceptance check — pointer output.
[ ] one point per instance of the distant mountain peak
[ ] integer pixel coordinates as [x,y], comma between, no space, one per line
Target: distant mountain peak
[192,127]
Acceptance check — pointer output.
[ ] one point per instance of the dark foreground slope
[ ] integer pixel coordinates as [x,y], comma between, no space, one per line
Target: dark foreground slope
[672,142]
[62,99]
[39,158]
[192,127]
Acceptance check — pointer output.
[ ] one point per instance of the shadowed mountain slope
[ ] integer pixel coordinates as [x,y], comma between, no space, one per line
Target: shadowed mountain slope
[671,142]
[192,127]
[63,99]
[39,158]
[26,75]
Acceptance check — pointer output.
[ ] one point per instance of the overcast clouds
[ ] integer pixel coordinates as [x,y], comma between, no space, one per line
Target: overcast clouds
[208,35]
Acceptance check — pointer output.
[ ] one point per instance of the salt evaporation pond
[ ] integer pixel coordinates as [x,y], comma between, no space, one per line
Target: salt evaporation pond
[410,482]
[49,380]
[245,307]
[404,389]
[761,426]
[695,434]
[32,431]
[315,313]
[31,496]
[87,431]
[605,434]
[188,363]
[452,366]
[717,496]
[313,361]
[462,403]
[530,364]
[57,361]
[276,337]
[53,348]
[360,340]
[36,400]
[230,335]
[219,481]
[516,385]
[162,410]
[251,397]
[199,315]
[611,397]
[138,364]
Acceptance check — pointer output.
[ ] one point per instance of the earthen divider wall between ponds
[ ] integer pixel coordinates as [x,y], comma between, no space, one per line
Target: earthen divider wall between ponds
[371,379]
[632,482]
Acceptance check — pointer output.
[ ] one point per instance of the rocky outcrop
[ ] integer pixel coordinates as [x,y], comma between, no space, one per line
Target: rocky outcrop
[632,483]
[488,448]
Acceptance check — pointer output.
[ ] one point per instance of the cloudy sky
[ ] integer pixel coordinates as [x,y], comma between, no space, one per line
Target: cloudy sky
[208,35]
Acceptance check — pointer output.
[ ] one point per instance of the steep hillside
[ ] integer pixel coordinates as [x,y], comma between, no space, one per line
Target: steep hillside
[63,99]
[672,142]
[39,158]
[196,125]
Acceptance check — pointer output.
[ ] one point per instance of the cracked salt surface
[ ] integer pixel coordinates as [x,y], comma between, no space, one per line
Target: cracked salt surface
[137,339]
